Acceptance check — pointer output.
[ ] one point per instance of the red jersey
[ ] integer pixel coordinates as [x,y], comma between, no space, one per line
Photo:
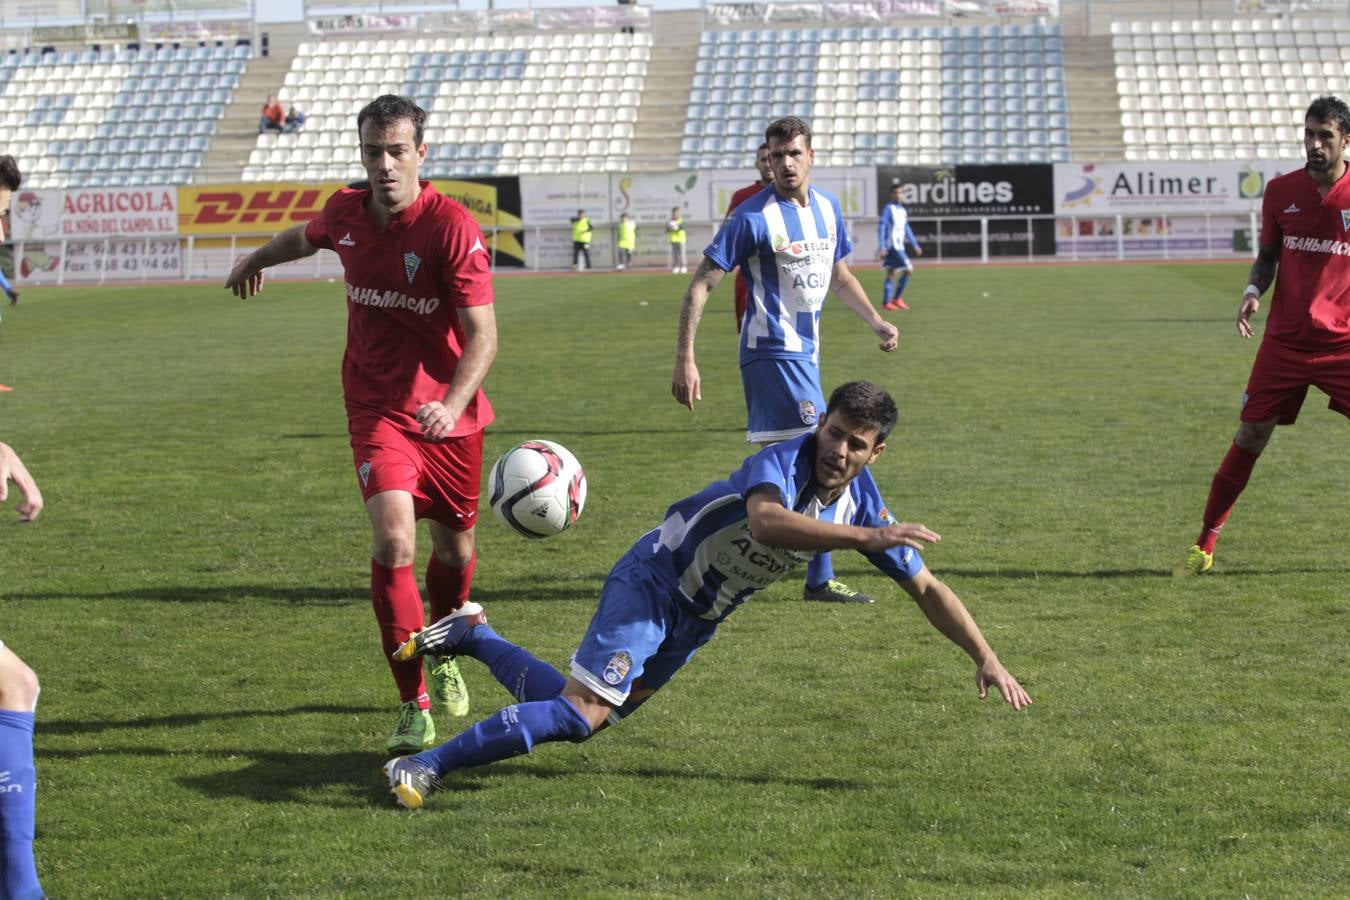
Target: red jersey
[405,287]
[1310,308]
[744,194]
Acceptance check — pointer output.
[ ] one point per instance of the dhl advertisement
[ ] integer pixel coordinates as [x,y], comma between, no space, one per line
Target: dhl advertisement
[264,209]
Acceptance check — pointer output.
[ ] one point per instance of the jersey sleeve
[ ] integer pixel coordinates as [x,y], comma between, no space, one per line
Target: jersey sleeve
[900,563]
[884,228]
[316,231]
[766,468]
[844,244]
[733,242]
[467,270]
[1271,235]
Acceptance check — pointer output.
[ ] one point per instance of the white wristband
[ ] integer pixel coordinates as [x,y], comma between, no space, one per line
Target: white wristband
[1251,291]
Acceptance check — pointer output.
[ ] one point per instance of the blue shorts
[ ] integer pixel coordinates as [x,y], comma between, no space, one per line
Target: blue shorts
[638,638]
[782,399]
[896,259]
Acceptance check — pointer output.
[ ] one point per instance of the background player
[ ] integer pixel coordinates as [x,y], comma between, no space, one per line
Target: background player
[421,337]
[665,598]
[790,243]
[1307,338]
[745,193]
[893,235]
[18,707]
[10,179]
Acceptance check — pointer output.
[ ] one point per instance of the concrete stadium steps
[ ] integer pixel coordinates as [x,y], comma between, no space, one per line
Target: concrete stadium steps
[237,134]
[1095,131]
[665,96]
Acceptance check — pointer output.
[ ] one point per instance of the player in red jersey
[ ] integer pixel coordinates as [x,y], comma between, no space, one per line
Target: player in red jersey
[1305,230]
[421,336]
[745,193]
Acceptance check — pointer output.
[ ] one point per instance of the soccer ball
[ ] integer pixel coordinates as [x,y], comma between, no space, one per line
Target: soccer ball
[537,488]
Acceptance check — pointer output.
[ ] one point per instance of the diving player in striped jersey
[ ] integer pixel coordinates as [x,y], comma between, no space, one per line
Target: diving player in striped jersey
[790,242]
[665,598]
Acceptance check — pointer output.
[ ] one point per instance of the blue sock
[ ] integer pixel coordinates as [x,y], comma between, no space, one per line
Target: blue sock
[819,570]
[519,671]
[886,290]
[510,732]
[18,795]
[900,288]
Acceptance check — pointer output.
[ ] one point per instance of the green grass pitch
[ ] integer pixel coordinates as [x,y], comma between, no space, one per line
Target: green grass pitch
[214,704]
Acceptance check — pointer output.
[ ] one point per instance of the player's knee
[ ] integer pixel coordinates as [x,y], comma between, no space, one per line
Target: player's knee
[19,686]
[1253,436]
[395,550]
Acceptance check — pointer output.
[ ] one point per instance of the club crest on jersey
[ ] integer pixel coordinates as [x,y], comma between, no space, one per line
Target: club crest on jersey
[617,667]
[410,264]
[364,473]
[807,410]
[780,243]
[347,241]
[1345,220]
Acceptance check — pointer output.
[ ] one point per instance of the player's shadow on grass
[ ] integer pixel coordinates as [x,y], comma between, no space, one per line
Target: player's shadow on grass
[188,719]
[578,586]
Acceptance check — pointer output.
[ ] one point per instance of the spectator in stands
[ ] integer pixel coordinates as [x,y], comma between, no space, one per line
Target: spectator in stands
[273,116]
[627,240]
[625,28]
[581,240]
[295,120]
[679,239]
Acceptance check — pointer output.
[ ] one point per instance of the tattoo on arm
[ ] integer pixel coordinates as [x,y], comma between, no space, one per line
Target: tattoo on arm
[1263,269]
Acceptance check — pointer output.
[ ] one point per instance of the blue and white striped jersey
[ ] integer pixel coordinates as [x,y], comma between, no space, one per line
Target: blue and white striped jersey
[787,254]
[894,229]
[703,552]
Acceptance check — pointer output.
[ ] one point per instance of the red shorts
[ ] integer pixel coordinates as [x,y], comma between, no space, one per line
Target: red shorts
[444,478]
[1281,377]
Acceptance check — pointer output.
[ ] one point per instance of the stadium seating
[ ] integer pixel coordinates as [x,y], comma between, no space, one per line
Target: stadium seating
[1223,89]
[882,95]
[114,118]
[504,104]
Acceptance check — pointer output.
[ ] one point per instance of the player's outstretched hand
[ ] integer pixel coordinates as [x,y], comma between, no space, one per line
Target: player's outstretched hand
[906,534]
[918,251]
[244,280]
[1250,306]
[889,336]
[437,422]
[991,672]
[13,469]
[685,386]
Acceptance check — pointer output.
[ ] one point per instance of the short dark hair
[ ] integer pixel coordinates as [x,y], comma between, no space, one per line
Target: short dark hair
[866,404]
[387,109]
[763,146]
[1330,109]
[10,176]
[787,128]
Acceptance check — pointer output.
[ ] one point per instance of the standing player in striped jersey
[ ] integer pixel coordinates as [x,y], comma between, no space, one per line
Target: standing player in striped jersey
[421,336]
[893,236]
[1305,228]
[665,598]
[790,242]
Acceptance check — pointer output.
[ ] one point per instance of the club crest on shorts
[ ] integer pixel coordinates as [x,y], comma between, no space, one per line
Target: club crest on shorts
[807,410]
[617,667]
[410,264]
[364,472]
[1345,219]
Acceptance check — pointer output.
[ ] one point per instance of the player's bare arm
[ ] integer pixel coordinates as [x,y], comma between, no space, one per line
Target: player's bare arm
[949,615]
[850,291]
[480,349]
[13,469]
[246,278]
[1262,276]
[684,385]
[773,524]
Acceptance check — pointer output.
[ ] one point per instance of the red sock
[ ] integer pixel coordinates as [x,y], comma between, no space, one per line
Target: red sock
[398,609]
[447,586]
[1224,491]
